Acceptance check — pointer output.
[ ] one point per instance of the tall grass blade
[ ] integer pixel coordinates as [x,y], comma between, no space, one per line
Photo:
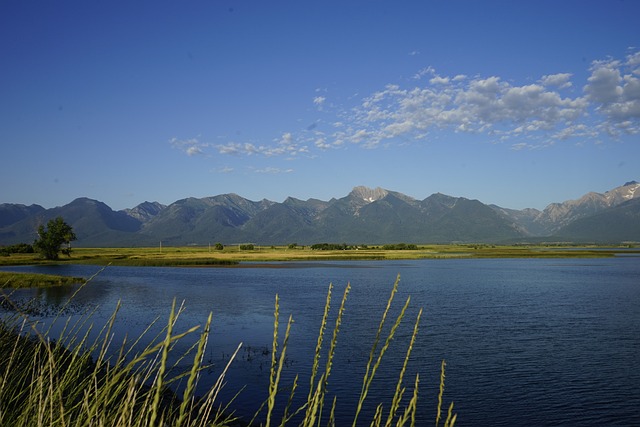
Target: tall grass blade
[207,407]
[371,371]
[276,381]
[316,357]
[332,351]
[397,397]
[451,418]
[188,396]
[440,393]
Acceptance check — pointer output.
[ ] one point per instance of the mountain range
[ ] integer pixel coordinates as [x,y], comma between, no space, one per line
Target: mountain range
[364,216]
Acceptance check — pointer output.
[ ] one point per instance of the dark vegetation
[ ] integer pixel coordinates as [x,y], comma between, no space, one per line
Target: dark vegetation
[19,248]
[346,247]
[400,247]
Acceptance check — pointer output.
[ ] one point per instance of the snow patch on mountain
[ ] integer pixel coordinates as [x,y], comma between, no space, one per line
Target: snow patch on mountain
[369,195]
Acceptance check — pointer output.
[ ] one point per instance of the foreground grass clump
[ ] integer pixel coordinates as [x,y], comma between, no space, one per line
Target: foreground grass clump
[78,381]
[33,280]
[73,382]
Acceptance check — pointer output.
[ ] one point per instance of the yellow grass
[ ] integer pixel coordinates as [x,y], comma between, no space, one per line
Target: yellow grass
[205,256]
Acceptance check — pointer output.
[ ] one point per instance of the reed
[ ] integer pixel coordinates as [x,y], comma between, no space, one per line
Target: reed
[314,404]
[74,380]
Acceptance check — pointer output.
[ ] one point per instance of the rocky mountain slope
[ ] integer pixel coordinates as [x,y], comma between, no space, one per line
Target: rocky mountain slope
[556,216]
[365,215]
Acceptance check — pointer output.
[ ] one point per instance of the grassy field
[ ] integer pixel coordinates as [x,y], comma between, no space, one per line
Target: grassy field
[233,256]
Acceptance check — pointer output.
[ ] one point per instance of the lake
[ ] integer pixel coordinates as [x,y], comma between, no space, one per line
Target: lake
[526,341]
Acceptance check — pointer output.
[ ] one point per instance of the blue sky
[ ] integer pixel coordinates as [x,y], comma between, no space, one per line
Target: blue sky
[515,103]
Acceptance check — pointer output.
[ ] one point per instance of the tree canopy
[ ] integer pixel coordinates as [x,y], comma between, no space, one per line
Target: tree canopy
[51,239]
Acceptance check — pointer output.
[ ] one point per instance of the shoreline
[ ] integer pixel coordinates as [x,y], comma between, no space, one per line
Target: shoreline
[286,257]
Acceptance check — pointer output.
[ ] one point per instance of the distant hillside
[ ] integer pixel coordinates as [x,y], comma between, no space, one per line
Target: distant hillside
[12,213]
[94,223]
[617,224]
[365,215]
[558,215]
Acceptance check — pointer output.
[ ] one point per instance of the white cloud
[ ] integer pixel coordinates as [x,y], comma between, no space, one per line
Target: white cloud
[498,108]
[319,100]
[614,88]
[576,131]
[192,146]
[272,170]
[285,145]
[287,139]
[424,72]
[193,150]
[560,80]
[603,85]
[439,80]
[536,114]
[463,105]
[321,143]
[237,148]
[520,146]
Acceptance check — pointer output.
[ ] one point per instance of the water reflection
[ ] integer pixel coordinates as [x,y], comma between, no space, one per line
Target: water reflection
[55,295]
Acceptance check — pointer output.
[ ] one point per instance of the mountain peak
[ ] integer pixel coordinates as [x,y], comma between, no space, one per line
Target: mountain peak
[623,193]
[368,194]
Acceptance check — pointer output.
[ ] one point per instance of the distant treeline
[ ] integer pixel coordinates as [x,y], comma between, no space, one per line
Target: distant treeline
[400,247]
[345,247]
[20,248]
[332,247]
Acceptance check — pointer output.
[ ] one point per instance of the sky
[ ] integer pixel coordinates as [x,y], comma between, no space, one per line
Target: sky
[514,103]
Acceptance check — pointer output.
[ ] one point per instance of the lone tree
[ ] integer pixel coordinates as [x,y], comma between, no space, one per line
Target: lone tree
[50,241]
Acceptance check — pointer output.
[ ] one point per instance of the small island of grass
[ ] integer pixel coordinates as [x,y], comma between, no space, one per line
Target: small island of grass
[9,279]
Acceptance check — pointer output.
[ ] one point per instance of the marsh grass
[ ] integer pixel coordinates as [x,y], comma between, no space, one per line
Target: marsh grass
[76,380]
[230,256]
[400,411]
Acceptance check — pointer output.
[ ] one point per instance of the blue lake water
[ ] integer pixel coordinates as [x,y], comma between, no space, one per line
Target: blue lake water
[526,341]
